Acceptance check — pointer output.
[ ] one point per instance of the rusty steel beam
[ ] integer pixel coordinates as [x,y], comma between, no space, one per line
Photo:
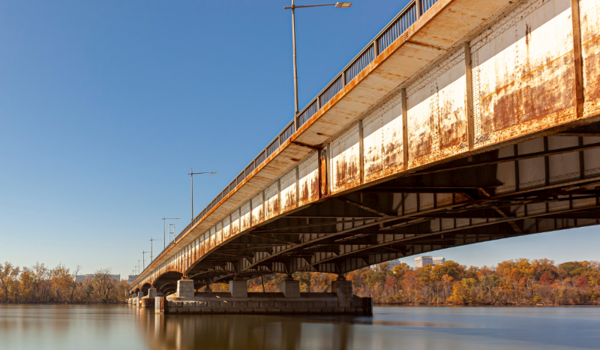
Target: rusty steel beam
[419,235]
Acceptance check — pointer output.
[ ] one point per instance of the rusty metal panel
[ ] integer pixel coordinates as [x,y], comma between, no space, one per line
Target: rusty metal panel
[226,228]
[257,209]
[590,39]
[309,179]
[219,234]
[436,118]
[213,238]
[523,83]
[288,191]
[344,161]
[563,166]
[532,172]
[591,157]
[246,216]
[505,172]
[272,200]
[203,244]
[382,142]
[235,222]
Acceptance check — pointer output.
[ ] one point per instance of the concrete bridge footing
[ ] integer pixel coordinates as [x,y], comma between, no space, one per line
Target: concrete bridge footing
[289,301]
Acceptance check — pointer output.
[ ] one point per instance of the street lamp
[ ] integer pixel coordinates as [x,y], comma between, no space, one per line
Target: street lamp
[143,260]
[151,250]
[192,173]
[341,5]
[164,219]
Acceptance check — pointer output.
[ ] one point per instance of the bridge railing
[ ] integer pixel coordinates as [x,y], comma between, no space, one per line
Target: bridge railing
[405,18]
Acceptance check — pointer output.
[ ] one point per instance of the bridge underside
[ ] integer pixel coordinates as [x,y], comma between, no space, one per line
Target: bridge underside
[544,184]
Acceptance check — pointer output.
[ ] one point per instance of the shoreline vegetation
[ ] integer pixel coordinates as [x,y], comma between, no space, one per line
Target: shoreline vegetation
[40,284]
[521,282]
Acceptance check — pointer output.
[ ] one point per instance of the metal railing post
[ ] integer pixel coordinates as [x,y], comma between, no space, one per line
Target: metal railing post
[419,8]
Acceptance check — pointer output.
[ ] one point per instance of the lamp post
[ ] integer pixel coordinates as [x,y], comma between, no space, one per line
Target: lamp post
[151,249]
[143,260]
[164,219]
[192,173]
[343,5]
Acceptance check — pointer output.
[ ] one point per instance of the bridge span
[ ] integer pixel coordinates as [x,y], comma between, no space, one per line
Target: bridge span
[461,122]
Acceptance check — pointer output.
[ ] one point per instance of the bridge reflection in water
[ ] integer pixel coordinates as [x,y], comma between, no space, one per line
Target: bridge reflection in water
[184,332]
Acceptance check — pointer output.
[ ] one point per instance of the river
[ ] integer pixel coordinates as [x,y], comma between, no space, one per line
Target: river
[64,327]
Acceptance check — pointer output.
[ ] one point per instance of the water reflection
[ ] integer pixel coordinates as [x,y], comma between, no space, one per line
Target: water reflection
[187,332]
[390,328]
[92,327]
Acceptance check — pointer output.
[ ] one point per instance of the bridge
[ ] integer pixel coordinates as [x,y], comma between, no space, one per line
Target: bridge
[461,122]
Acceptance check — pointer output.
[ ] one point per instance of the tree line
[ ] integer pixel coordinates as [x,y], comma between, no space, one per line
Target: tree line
[512,282]
[41,284]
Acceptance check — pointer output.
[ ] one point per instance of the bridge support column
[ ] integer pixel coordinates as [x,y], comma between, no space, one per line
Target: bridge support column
[185,289]
[343,290]
[152,293]
[290,288]
[138,300]
[238,288]
[161,305]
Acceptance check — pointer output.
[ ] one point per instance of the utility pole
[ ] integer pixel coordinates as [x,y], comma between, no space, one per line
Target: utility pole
[151,250]
[192,173]
[164,219]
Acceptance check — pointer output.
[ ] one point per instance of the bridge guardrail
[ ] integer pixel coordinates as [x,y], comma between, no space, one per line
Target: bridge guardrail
[397,26]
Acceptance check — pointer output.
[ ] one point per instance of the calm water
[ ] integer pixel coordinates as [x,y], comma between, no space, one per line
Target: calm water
[124,327]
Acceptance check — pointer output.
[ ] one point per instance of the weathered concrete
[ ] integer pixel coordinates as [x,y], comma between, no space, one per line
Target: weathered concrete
[290,288]
[238,288]
[238,300]
[185,289]
[267,303]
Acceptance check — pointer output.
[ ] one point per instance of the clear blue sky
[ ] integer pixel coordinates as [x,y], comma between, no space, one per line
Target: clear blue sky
[105,106]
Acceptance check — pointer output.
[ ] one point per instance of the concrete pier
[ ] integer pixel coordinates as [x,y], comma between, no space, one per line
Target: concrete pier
[289,301]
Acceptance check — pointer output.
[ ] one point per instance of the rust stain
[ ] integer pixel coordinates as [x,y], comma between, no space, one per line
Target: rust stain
[257,216]
[245,221]
[419,144]
[544,91]
[289,201]
[304,196]
[347,173]
[273,207]
[591,71]
[453,126]
[323,188]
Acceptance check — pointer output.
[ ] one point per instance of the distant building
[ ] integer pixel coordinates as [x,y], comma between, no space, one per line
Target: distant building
[428,260]
[423,260]
[132,278]
[83,278]
[438,261]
